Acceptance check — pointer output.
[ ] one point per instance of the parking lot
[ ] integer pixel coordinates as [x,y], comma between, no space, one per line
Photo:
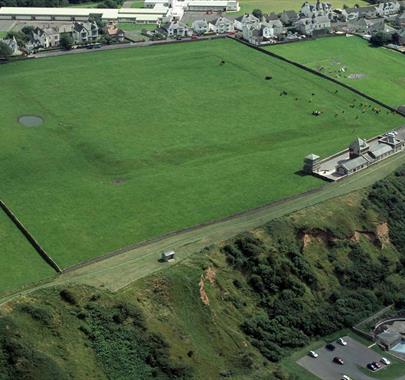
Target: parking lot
[354,355]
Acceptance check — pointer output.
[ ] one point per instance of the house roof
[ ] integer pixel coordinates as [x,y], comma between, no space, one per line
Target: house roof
[380,149]
[312,157]
[359,144]
[290,13]
[354,163]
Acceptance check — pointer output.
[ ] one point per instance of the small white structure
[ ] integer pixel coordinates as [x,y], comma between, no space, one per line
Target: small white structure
[167,256]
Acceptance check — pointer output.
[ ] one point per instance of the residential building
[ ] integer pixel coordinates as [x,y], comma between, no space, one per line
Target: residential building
[221,25]
[387,8]
[288,18]
[176,29]
[246,19]
[83,33]
[318,9]
[13,45]
[400,20]
[200,26]
[115,33]
[308,26]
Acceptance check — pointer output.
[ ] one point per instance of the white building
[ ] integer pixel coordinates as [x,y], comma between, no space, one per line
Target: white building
[136,15]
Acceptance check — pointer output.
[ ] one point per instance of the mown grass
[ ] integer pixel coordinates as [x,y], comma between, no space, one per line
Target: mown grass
[20,265]
[129,26]
[383,68]
[140,142]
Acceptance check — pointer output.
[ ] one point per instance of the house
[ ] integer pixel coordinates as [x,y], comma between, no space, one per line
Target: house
[13,45]
[351,166]
[200,26]
[271,17]
[252,33]
[221,25]
[349,14]
[275,28]
[318,24]
[43,38]
[318,9]
[246,19]
[84,32]
[116,34]
[176,29]
[400,20]
[288,18]
[387,8]
[402,37]
[367,12]
[366,26]
[167,256]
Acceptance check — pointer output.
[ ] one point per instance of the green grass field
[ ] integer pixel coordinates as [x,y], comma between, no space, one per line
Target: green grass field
[139,142]
[129,26]
[277,6]
[383,69]
[20,264]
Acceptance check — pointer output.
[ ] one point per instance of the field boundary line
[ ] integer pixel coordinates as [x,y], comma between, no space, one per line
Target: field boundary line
[195,227]
[29,237]
[320,75]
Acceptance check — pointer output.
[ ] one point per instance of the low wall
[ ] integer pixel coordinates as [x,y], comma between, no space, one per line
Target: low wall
[29,237]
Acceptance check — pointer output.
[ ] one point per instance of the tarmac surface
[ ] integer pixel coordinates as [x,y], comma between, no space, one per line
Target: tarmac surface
[354,355]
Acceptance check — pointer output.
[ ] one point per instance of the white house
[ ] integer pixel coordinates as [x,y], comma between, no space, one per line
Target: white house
[13,45]
[221,25]
[318,9]
[84,32]
[176,29]
[200,26]
[246,19]
[388,8]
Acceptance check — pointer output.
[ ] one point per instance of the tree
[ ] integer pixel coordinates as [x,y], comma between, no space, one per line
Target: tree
[257,13]
[380,39]
[5,51]
[27,30]
[20,37]
[66,41]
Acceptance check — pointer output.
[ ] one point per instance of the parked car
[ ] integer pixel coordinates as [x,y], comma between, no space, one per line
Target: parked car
[342,342]
[345,377]
[378,365]
[330,347]
[313,354]
[338,360]
[385,361]
[371,367]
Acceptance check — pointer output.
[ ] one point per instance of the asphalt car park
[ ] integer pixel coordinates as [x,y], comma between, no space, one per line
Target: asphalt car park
[354,355]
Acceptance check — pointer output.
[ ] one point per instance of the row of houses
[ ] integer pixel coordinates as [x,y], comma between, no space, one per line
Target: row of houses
[49,35]
[321,18]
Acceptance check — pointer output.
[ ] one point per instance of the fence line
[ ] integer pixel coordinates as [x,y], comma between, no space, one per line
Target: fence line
[321,75]
[29,237]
